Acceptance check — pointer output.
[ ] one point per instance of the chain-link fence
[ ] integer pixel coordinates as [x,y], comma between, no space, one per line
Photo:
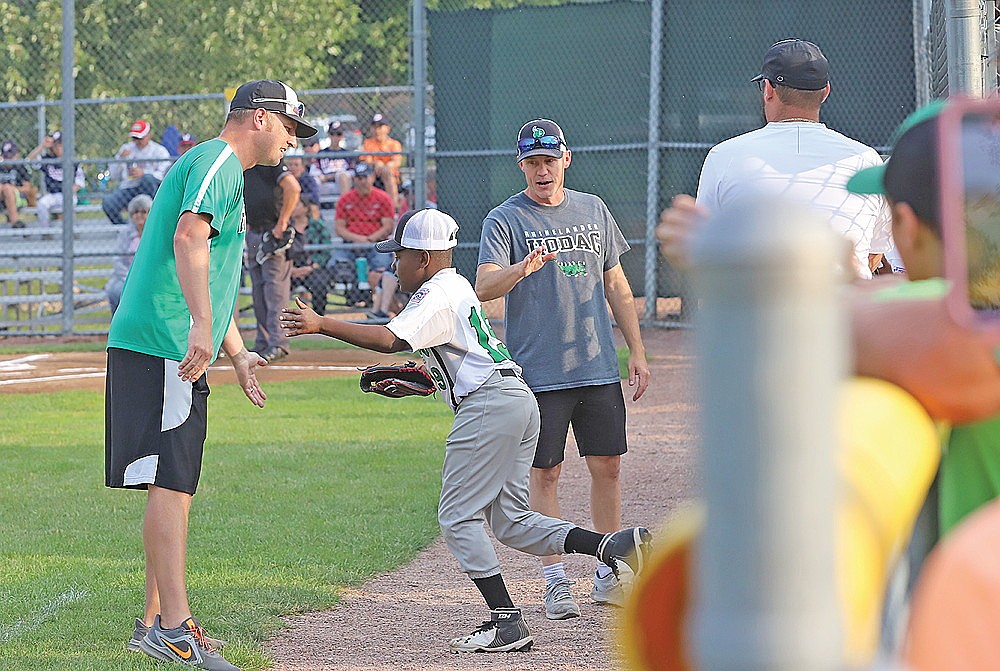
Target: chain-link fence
[603,70]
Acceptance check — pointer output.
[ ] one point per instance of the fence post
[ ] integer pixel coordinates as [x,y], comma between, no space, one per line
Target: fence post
[418,196]
[772,351]
[963,21]
[69,169]
[653,157]
[42,124]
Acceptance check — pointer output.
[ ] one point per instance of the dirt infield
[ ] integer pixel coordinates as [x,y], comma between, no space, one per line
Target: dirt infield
[402,621]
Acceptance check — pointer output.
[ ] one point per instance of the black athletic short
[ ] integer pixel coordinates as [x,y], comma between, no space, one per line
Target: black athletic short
[597,414]
[154,423]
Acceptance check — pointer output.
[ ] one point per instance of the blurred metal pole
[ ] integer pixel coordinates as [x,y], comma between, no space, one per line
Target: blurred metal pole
[42,123]
[653,158]
[418,197]
[963,26]
[772,352]
[990,74]
[69,153]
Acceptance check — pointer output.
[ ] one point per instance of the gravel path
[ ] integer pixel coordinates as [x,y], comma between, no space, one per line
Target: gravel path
[403,620]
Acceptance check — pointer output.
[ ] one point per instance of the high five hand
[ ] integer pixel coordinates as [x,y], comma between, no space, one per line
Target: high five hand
[535,260]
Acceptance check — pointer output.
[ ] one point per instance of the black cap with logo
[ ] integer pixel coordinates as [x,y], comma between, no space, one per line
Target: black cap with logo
[540,137]
[275,96]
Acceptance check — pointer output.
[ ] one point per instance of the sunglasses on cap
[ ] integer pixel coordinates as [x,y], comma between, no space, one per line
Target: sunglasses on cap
[298,108]
[543,142]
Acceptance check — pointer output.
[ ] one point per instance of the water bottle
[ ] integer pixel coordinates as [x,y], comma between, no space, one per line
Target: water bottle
[361,265]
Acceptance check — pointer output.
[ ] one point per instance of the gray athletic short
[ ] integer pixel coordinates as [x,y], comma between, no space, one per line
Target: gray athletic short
[597,414]
[155,423]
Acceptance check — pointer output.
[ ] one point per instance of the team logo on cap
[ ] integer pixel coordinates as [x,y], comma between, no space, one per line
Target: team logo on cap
[537,132]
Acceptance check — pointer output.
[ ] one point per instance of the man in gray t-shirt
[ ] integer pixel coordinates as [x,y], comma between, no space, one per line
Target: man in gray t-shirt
[559,331]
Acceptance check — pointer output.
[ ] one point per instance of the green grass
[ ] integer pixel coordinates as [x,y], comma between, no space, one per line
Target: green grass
[321,489]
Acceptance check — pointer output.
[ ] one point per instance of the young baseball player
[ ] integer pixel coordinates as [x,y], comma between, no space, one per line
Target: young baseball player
[492,441]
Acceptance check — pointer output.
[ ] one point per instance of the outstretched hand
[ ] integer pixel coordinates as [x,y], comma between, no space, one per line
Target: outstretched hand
[299,320]
[535,260]
[246,373]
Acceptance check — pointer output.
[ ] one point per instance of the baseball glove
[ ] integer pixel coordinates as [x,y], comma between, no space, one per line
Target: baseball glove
[270,245]
[408,379]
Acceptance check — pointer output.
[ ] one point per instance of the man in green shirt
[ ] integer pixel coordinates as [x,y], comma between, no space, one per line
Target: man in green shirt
[176,313]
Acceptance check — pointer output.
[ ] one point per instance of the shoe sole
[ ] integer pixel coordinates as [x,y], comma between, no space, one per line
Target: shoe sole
[154,653]
[568,615]
[517,646]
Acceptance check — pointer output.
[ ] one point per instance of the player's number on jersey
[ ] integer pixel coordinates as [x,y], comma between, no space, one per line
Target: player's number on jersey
[438,378]
[487,338]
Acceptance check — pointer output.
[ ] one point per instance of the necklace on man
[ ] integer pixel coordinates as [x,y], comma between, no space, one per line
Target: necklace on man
[798,118]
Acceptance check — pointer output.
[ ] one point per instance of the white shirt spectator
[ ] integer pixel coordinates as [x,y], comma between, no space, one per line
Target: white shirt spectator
[154,159]
[807,163]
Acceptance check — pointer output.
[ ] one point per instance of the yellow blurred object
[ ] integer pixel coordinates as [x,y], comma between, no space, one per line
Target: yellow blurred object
[652,622]
[890,450]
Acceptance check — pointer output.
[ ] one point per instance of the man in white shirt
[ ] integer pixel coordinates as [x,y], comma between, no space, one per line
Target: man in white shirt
[797,158]
[147,163]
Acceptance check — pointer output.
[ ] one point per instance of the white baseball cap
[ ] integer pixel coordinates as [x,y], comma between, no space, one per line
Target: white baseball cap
[428,230]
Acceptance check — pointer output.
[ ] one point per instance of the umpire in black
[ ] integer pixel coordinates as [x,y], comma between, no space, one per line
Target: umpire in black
[270,194]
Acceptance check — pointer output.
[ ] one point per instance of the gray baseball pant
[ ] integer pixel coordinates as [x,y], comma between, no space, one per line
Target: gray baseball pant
[485,479]
[272,287]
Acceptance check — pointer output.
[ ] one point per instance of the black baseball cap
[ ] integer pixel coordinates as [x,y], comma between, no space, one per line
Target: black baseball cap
[8,149]
[362,170]
[336,128]
[378,119]
[910,174]
[275,96]
[540,137]
[796,64]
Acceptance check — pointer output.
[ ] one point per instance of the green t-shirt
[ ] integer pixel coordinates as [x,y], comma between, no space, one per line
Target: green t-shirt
[153,317]
[970,464]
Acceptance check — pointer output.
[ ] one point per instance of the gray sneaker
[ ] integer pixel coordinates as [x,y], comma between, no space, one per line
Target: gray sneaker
[626,551]
[187,644]
[505,631]
[610,590]
[559,603]
[141,630]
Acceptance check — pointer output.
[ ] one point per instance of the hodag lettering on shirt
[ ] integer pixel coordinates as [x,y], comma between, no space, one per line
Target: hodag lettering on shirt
[567,240]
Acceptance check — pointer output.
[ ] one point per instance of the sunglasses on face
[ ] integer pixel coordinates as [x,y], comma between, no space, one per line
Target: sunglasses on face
[543,142]
[760,84]
[298,108]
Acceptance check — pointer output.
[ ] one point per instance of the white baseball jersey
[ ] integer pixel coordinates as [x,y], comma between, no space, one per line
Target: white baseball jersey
[444,323]
[809,164]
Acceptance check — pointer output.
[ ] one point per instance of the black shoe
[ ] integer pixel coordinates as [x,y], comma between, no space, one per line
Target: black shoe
[505,631]
[273,354]
[377,314]
[628,547]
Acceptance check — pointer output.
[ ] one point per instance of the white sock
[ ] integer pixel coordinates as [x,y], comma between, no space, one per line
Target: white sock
[553,573]
[603,570]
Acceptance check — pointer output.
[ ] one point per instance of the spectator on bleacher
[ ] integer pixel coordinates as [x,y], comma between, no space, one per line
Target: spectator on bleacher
[364,215]
[309,268]
[148,162]
[307,183]
[333,172]
[128,242]
[187,141]
[386,167]
[52,176]
[16,189]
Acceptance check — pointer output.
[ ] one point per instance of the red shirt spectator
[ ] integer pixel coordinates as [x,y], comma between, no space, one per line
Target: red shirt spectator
[364,214]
